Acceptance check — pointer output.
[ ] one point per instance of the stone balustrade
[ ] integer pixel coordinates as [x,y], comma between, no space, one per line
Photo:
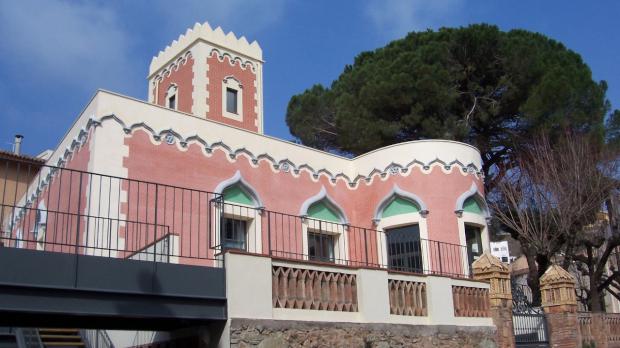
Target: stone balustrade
[288,293]
[602,329]
[585,326]
[612,323]
[470,302]
[313,289]
[407,297]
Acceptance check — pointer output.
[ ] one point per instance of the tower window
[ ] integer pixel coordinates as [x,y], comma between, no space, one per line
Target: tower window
[231,100]
[171,97]
[172,102]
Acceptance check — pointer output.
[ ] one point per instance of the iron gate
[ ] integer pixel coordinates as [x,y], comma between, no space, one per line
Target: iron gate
[529,323]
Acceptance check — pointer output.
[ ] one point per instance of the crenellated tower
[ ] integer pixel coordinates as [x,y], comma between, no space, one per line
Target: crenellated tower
[210,74]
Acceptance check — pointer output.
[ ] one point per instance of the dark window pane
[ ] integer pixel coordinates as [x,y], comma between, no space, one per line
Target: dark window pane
[404,250]
[233,234]
[231,100]
[172,102]
[473,242]
[321,247]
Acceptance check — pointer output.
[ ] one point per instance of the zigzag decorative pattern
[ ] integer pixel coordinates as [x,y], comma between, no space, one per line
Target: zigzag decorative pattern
[233,59]
[407,297]
[204,31]
[284,164]
[173,66]
[311,289]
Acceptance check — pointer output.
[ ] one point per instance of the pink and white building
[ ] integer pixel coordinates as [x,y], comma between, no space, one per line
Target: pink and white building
[409,215]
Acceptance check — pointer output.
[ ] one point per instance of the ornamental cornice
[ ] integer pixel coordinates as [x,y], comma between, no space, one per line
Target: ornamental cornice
[285,164]
[233,59]
[173,66]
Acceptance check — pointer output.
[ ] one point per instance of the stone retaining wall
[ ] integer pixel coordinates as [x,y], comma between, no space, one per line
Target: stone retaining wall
[280,333]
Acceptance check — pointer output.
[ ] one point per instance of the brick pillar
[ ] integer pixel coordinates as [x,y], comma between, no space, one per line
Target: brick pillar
[489,268]
[557,289]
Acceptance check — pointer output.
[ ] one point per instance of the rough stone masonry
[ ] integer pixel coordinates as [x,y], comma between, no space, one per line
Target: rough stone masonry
[276,333]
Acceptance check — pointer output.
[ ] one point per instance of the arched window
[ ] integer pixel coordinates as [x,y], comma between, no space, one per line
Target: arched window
[400,216]
[239,215]
[323,211]
[324,238]
[397,202]
[399,205]
[472,213]
[238,194]
[471,205]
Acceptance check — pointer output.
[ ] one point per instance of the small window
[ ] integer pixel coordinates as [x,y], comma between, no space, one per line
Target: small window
[321,247]
[231,100]
[171,97]
[504,259]
[172,102]
[233,234]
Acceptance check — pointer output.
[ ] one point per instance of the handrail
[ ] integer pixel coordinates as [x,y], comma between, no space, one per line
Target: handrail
[302,238]
[96,338]
[28,338]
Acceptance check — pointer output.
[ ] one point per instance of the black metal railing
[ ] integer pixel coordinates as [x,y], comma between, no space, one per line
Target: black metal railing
[74,211]
[261,231]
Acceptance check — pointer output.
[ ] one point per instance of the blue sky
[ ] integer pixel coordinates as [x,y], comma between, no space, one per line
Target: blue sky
[55,54]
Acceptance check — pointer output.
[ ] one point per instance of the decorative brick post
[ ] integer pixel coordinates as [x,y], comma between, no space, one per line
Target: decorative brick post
[489,268]
[557,289]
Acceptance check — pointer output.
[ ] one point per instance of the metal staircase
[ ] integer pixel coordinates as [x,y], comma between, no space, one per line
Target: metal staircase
[61,338]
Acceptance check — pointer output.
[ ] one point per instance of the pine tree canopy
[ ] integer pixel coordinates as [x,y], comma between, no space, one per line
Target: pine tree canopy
[476,84]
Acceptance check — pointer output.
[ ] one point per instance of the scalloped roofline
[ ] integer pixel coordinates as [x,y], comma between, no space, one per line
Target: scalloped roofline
[204,32]
[350,159]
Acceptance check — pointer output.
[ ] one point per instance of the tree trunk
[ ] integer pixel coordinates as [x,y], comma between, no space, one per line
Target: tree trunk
[596,296]
[537,265]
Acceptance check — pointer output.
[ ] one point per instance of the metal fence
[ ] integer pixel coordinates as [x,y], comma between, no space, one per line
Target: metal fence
[73,211]
[280,235]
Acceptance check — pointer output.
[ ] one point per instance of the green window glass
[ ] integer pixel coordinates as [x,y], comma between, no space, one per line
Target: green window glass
[471,205]
[398,206]
[236,194]
[322,211]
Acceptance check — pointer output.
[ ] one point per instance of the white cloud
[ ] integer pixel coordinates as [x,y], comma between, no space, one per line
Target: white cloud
[74,42]
[395,18]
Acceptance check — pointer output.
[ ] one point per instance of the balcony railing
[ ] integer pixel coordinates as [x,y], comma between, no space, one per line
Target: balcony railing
[73,211]
[292,237]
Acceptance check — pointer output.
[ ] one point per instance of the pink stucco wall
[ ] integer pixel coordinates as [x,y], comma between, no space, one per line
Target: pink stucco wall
[285,193]
[65,199]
